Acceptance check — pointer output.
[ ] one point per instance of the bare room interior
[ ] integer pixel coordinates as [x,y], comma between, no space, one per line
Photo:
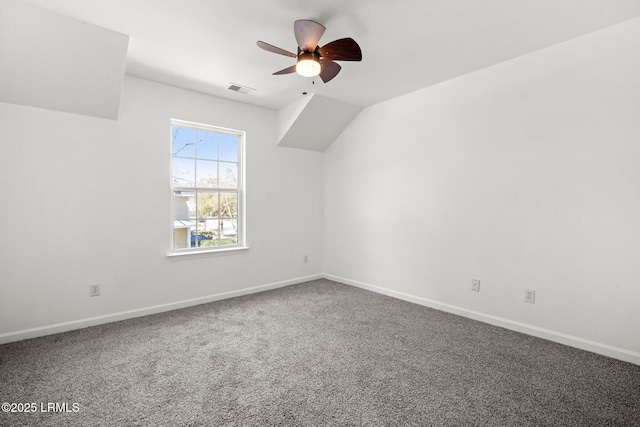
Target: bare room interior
[439,225]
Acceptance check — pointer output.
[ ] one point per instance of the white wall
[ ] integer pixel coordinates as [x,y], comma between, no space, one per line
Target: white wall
[87,200]
[525,175]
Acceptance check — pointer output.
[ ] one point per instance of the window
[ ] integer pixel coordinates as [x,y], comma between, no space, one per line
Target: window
[207,187]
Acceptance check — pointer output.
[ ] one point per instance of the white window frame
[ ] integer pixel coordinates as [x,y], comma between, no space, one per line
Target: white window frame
[240,244]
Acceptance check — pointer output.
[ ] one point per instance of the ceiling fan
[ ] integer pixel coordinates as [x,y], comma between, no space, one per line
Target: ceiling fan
[313,60]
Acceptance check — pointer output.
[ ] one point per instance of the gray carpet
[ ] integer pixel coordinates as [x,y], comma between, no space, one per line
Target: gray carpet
[319,353]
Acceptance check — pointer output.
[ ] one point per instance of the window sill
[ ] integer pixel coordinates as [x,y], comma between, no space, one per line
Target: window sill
[212,252]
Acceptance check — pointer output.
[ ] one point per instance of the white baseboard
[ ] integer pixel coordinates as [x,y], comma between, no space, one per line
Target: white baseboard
[577,342]
[572,341]
[129,314]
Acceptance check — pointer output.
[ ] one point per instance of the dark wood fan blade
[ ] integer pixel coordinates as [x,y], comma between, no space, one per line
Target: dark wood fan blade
[329,70]
[287,70]
[341,50]
[274,49]
[307,34]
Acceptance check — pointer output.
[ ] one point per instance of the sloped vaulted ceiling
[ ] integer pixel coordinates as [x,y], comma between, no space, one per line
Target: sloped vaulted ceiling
[59,63]
[314,122]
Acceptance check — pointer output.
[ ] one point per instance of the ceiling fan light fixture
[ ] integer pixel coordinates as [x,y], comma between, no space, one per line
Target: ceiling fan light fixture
[310,54]
[308,65]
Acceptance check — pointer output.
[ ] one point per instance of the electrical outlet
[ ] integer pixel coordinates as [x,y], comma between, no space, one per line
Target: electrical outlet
[475,285]
[530,296]
[306,259]
[94,290]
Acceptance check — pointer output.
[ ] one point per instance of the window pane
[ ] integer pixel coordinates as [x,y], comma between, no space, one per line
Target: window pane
[197,237]
[229,147]
[183,172]
[210,232]
[183,142]
[228,232]
[208,206]
[229,205]
[184,205]
[206,173]
[228,175]
[184,222]
[207,145]
[206,233]
[181,238]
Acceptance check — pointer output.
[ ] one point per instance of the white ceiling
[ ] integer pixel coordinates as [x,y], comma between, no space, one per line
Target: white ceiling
[204,45]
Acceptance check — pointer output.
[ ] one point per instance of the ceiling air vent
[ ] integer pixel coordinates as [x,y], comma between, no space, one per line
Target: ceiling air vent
[239,88]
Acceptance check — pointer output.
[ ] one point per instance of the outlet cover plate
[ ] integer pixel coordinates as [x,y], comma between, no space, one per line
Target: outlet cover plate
[94,290]
[475,285]
[530,296]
